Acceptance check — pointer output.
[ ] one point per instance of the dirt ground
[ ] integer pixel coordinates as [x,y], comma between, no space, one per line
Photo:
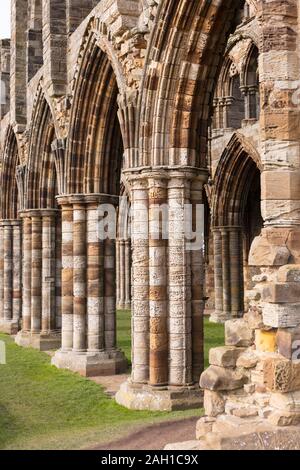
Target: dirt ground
[154,437]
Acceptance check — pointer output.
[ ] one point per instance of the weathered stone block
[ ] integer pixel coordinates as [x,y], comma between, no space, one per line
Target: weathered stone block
[288,342]
[238,333]
[247,411]
[281,315]
[225,356]
[280,184]
[281,293]
[204,426]
[218,379]
[269,249]
[289,273]
[254,318]
[214,403]
[284,418]
[265,341]
[286,401]
[248,360]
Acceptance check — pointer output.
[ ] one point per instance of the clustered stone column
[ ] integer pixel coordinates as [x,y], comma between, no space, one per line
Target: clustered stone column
[89,344]
[229,282]
[167,304]
[10,276]
[123,259]
[41,284]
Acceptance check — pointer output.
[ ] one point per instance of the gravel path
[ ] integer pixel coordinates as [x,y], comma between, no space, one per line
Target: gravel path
[155,437]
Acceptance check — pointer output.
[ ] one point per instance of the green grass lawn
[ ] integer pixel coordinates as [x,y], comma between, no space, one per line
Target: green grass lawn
[45,408]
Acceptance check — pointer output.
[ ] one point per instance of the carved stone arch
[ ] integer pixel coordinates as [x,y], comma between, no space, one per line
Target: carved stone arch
[9,190]
[223,88]
[254,35]
[95,140]
[252,50]
[41,90]
[183,59]
[97,33]
[40,178]
[235,169]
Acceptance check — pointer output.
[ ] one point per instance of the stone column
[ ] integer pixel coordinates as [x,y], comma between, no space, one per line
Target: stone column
[10,276]
[179,285]
[198,283]
[167,303]
[79,277]
[40,328]
[158,326]
[1,274]
[228,264]
[123,257]
[127,274]
[121,280]
[67,277]
[26,275]
[226,273]
[88,290]
[217,316]
[118,274]
[236,272]
[49,260]
[140,279]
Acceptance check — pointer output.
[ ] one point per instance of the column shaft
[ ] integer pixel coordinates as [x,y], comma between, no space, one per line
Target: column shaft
[110,294]
[218,272]
[48,275]
[8,272]
[67,278]
[180,309]
[118,273]
[17,272]
[36,275]
[122,273]
[79,273]
[58,271]
[95,297]
[1,273]
[158,284]
[26,274]
[127,274]
[140,280]
[226,273]
[198,280]
[235,271]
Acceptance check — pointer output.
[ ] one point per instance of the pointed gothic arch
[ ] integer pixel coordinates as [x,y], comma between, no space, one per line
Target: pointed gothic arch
[40,179]
[9,190]
[232,180]
[179,81]
[236,220]
[95,146]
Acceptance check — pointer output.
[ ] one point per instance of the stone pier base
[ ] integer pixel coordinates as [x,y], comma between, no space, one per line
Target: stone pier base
[144,397]
[89,364]
[9,327]
[39,341]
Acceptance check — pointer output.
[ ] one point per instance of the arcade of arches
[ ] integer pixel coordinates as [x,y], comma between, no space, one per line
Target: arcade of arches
[161,102]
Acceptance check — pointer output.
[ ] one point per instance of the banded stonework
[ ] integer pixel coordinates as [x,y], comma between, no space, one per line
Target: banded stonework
[168,102]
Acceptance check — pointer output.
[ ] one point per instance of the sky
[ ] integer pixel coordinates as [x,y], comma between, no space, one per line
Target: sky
[5,19]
